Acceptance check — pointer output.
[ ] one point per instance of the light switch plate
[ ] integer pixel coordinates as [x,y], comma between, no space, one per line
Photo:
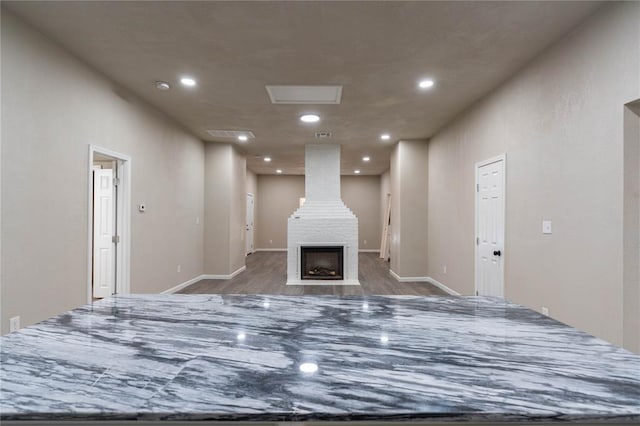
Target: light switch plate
[546,227]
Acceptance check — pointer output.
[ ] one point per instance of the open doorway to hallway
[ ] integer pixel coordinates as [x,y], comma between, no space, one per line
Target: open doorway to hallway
[109,184]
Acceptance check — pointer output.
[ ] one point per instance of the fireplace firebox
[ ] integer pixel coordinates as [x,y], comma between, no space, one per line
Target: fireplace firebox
[321,263]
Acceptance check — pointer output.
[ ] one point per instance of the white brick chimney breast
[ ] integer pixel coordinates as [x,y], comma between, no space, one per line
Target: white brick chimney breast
[323,220]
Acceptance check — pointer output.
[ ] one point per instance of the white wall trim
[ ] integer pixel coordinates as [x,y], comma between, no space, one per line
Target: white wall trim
[123,214]
[424,280]
[222,277]
[443,287]
[408,279]
[183,285]
[270,249]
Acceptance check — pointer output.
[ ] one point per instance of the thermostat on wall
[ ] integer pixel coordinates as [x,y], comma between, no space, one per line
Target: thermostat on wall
[142,208]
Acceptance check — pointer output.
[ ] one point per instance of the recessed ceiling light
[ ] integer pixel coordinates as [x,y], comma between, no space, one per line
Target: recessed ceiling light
[188,81]
[425,84]
[310,118]
[385,136]
[279,171]
[243,138]
[366,158]
[162,85]
[267,159]
[356,172]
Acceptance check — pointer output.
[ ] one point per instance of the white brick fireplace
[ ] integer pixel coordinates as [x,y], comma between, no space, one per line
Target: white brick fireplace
[323,221]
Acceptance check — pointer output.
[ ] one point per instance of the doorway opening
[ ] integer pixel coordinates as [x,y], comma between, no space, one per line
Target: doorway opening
[108,202]
[250,215]
[490,226]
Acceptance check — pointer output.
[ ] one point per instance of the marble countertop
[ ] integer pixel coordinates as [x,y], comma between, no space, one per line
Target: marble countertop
[387,358]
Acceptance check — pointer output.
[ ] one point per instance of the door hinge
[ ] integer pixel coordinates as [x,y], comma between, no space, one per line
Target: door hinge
[116,181]
[115,239]
[477,187]
[477,241]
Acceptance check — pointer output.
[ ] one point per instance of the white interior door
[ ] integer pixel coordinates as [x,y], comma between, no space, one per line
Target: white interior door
[103,232]
[490,202]
[249,223]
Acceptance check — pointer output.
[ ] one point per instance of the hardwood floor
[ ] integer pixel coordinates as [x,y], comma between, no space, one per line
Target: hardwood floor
[266,273]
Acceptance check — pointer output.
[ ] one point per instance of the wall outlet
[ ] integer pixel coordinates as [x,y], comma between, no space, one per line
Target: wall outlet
[270,241]
[14,324]
[365,242]
[545,311]
[198,220]
[444,270]
[179,268]
[546,227]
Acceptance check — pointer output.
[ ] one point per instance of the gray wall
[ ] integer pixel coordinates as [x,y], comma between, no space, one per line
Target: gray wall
[560,122]
[53,107]
[279,197]
[361,194]
[408,181]
[631,243]
[225,209]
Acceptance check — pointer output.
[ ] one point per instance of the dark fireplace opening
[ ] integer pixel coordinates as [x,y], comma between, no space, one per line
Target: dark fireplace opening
[322,263]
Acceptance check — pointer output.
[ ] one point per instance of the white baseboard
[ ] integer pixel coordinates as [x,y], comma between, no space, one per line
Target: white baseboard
[223,277]
[270,249]
[183,285]
[408,279]
[425,280]
[200,278]
[442,287]
[369,250]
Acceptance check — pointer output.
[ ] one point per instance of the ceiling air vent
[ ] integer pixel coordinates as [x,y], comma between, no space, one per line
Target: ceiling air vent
[323,135]
[304,94]
[230,133]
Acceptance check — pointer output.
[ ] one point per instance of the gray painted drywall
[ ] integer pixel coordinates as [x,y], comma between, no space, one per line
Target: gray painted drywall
[631,232]
[408,181]
[361,195]
[280,195]
[225,204]
[53,107]
[560,122]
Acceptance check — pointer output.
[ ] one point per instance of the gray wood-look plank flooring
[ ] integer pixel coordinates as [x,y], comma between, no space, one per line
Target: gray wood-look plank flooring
[266,273]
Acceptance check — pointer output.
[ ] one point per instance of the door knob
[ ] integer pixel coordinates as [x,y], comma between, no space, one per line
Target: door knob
[497,253]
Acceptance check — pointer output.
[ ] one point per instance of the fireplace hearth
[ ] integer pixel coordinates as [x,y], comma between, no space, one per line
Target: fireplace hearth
[322,262]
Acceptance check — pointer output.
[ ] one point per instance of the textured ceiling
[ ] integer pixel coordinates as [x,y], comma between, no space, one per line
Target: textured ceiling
[377,50]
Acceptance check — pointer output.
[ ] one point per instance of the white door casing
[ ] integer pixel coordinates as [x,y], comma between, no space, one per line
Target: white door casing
[250,219]
[103,231]
[490,227]
[123,219]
